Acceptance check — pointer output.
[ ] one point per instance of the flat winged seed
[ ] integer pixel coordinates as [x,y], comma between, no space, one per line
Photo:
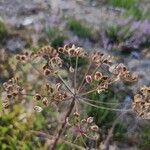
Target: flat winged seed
[45,101]
[94,128]
[38,108]
[97,76]
[88,78]
[58,86]
[71,69]
[90,120]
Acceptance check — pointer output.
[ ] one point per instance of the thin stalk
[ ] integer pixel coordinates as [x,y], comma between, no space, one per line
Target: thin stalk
[100,102]
[85,93]
[84,76]
[62,128]
[75,75]
[106,108]
[69,89]
[110,134]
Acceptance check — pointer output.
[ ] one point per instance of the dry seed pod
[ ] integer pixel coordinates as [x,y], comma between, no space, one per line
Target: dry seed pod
[15,93]
[60,49]
[18,57]
[47,87]
[9,96]
[45,101]
[5,105]
[58,86]
[99,90]
[26,53]
[88,78]
[98,76]
[37,97]
[71,69]
[141,104]
[47,72]
[94,128]
[83,121]
[90,120]
[38,108]
[23,57]
[71,52]
[76,114]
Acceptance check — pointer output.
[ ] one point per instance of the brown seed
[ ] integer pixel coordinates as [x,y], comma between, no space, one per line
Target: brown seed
[9,96]
[23,57]
[58,86]
[94,128]
[18,57]
[45,101]
[98,76]
[15,93]
[60,49]
[47,72]
[104,78]
[76,114]
[44,67]
[9,88]
[71,69]
[26,53]
[5,105]
[38,97]
[88,78]
[89,120]
[38,108]
[47,87]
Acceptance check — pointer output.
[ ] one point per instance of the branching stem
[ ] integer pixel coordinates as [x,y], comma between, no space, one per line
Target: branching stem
[62,128]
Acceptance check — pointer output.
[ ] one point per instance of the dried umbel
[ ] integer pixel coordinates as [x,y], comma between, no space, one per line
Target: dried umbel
[122,72]
[141,103]
[72,51]
[99,58]
[74,87]
[12,88]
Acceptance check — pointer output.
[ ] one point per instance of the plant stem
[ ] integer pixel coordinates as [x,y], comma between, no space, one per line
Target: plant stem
[75,75]
[63,124]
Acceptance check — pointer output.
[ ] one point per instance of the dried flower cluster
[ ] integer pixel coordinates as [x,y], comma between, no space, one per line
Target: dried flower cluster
[83,127]
[100,73]
[141,103]
[12,91]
